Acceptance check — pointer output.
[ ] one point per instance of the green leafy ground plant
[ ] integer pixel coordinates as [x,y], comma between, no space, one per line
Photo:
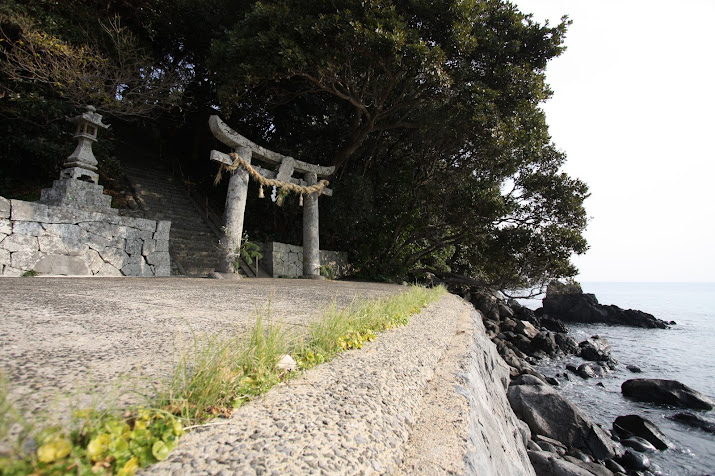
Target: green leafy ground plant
[213,378]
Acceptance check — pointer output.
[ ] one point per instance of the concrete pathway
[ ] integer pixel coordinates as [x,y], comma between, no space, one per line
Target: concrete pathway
[61,336]
[396,406]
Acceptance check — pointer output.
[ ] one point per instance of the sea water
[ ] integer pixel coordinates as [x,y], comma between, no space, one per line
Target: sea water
[686,353]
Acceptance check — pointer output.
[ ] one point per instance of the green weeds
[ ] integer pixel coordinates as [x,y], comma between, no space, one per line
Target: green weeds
[220,374]
[213,376]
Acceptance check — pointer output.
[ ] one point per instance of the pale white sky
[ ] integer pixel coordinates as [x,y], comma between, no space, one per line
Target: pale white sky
[633,105]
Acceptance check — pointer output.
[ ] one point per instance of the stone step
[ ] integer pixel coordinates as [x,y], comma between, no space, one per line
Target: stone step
[180,215]
[197,252]
[184,232]
[151,184]
[194,253]
[180,238]
[192,242]
[164,198]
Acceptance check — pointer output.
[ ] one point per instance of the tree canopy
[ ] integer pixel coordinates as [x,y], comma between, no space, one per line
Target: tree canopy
[430,112]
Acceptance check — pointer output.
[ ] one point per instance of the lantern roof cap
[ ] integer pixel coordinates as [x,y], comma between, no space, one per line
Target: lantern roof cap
[90,116]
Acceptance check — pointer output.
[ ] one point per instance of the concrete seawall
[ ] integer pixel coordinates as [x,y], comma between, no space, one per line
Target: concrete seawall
[427,398]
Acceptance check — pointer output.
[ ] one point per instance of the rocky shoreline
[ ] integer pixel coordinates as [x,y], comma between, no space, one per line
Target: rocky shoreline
[564,440]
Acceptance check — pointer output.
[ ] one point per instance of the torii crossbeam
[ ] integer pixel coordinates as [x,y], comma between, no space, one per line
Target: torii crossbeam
[238,191]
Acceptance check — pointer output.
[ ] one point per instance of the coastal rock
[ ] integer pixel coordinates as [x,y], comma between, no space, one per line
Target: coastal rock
[545,342]
[508,325]
[635,461]
[505,311]
[635,425]
[615,467]
[639,444]
[491,326]
[552,381]
[568,303]
[526,328]
[595,349]
[554,325]
[523,313]
[487,304]
[579,455]
[549,464]
[557,445]
[666,392]
[566,343]
[548,413]
[590,370]
[532,446]
[634,368]
[595,469]
[693,420]
[527,379]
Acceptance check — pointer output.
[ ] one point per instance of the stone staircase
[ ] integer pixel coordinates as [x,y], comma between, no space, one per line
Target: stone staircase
[193,244]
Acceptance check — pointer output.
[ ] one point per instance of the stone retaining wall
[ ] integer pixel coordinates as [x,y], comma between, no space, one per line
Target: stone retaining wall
[69,241]
[281,260]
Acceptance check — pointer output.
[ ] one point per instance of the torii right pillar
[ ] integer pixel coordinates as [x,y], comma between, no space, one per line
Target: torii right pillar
[311,228]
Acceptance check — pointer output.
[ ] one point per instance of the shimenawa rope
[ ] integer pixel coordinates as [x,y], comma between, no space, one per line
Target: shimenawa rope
[238,161]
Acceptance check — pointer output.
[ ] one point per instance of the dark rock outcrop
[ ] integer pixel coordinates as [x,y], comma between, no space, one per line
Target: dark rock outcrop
[546,342]
[553,325]
[569,304]
[548,413]
[639,444]
[615,467]
[695,421]
[566,343]
[596,349]
[666,392]
[633,460]
[590,370]
[546,463]
[635,425]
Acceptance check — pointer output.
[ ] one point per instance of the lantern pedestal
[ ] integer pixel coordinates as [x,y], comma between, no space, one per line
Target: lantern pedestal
[70,192]
[78,184]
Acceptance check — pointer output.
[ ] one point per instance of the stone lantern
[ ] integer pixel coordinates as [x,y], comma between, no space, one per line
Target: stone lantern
[82,165]
[78,186]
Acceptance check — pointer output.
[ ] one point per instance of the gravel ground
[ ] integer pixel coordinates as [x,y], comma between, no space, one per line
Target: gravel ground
[390,407]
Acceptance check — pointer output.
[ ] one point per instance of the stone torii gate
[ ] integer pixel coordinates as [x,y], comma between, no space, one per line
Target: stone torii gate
[238,190]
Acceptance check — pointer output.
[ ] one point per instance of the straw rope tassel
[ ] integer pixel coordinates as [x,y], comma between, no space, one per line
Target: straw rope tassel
[260,192]
[300,202]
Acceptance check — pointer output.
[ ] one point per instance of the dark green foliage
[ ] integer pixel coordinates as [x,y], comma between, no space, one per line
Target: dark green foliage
[429,110]
[431,113]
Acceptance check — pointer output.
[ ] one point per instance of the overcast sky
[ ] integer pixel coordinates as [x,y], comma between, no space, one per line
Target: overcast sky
[633,106]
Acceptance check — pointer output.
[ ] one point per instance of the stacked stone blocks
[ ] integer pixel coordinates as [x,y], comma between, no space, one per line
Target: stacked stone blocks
[70,241]
[281,260]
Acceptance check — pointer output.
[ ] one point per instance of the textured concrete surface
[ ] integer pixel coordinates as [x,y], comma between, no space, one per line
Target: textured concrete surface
[427,398]
[61,336]
[352,415]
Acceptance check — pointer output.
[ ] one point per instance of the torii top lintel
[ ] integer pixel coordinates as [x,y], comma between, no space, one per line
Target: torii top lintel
[233,139]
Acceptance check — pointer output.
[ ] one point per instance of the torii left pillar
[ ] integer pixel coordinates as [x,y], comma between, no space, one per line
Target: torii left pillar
[234,212]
